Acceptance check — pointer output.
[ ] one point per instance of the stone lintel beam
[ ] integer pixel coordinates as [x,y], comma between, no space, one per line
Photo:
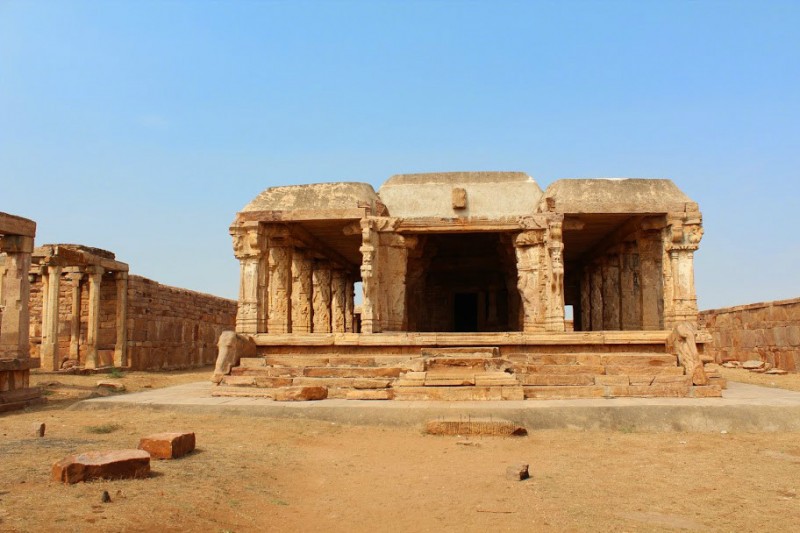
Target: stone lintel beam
[299,215]
[16,225]
[65,256]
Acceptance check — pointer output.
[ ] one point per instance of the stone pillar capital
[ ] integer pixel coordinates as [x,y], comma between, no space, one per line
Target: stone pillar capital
[120,275]
[16,244]
[249,240]
[531,237]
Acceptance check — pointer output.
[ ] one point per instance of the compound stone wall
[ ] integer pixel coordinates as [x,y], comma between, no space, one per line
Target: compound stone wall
[172,328]
[769,331]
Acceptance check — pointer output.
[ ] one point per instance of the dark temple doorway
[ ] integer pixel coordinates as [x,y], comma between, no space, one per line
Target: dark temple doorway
[465,311]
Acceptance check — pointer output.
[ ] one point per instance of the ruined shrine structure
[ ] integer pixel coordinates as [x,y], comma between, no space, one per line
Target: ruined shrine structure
[466,280]
[16,245]
[88,312]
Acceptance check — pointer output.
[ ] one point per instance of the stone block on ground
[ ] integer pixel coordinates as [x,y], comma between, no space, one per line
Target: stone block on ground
[475,426]
[113,386]
[753,364]
[518,472]
[38,429]
[115,464]
[170,445]
[301,394]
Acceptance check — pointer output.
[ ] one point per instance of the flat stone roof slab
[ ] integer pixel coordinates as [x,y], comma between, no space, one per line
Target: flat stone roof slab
[742,408]
[315,196]
[616,195]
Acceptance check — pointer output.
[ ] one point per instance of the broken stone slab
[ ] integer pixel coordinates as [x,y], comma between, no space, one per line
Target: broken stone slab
[111,385]
[38,429]
[170,445]
[115,464]
[301,394]
[776,372]
[517,472]
[475,426]
[731,364]
[753,364]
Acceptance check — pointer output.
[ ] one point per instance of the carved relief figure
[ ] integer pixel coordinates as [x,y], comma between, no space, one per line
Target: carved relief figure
[682,342]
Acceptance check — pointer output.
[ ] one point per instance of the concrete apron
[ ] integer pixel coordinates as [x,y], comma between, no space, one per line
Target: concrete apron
[742,408]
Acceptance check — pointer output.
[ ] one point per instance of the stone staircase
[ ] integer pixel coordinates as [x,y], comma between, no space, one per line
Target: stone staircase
[467,373]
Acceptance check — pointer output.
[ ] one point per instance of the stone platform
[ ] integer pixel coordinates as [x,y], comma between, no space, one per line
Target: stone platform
[741,408]
[466,366]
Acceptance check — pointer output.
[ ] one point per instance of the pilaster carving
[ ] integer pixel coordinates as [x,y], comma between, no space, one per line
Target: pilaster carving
[555,294]
[279,285]
[370,317]
[338,297]
[529,246]
[249,247]
[301,292]
[321,299]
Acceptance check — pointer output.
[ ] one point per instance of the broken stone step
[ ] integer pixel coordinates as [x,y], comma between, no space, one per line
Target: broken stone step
[300,394]
[343,383]
[478,363]
[489,379]
[563,393]
[336,360]
[411,379]
[248,362]
[637,359]
[256,381]
[352,372]
[115,464]
[242,392]
[708,391]
[384,394]
[559,369]
[556,358]
[644,370]
[459,393]
[656,390]
[658,379]
[449,379]
[615,380]
[559,380]
[462,352]
[267,371]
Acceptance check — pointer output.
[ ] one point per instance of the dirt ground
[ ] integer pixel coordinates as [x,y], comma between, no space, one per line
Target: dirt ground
[260,474]
[787,381]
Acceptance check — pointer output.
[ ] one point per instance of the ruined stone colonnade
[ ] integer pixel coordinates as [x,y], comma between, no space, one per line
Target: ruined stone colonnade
[467,252]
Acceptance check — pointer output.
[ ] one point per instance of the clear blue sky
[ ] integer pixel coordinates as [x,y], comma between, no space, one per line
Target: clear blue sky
[143,127]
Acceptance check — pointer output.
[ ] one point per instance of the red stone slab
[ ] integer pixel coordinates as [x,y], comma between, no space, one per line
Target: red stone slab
[115,464]
[168,445]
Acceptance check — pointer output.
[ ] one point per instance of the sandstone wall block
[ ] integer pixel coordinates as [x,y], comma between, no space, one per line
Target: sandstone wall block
[116,464]
[171,445]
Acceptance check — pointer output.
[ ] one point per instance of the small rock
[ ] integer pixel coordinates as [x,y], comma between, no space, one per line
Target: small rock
[517,472]
[106,497]
[38,429]
[723,432]
[168,445]
[731,364]
[753,364]
[776,371]
[116,464]
[111,385]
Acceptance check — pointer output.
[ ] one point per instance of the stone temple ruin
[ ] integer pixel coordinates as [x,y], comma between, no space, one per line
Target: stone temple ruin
[16,245]
[466,281]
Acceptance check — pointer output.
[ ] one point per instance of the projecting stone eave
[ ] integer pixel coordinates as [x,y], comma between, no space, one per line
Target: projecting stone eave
[317,201]
[461,195]
[16,225]
[77,255]
[615,195]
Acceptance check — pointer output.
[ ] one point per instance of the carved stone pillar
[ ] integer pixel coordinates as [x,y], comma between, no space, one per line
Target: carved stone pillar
[555,289]
[529,247]
[684,232]
[630,289]
[650,279]
[338,298]
[321,298]
[611,293]
[586,299]
[349,303]
[95,275]
[249,245]
[280,280]
[370,316]
[392,276]
[301,292]
[15,292]
[75,279]
[121,346]
[49,355]
[597,297]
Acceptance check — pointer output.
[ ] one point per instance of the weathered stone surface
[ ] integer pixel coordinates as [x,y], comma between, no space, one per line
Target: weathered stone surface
[38,429]
[475,426]
[369,394]
[752,364]
[117,464]
[113,386]
[170,445]
[518,472]
[301,394]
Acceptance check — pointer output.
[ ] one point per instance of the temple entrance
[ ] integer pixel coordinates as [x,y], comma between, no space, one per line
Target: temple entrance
[465,282]
[465,311]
